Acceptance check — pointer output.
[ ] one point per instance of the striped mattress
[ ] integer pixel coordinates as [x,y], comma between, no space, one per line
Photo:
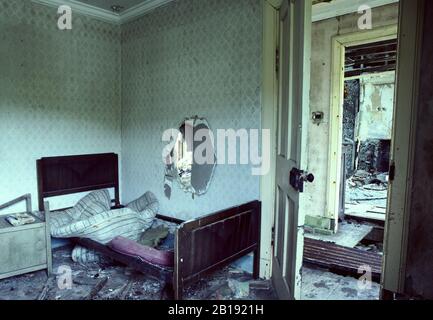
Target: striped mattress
[93,219]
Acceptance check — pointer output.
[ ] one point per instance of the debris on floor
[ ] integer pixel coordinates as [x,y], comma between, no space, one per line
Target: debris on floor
[240,289]
[349,234]
[73,281]
[319,284]
[366,195]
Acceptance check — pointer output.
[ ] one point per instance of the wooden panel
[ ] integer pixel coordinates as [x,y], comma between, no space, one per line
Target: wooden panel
[280,235]
[335,257]
[209,243]
[294,73]
[22,249]
[73,174]
[22,271]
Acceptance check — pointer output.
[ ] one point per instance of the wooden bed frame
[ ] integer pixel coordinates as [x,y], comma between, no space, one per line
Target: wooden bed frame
[202,246]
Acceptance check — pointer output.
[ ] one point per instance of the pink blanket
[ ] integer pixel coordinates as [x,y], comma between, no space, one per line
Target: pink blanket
[148,254]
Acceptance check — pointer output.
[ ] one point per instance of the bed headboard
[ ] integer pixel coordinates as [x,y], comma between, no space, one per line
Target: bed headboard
[58,176]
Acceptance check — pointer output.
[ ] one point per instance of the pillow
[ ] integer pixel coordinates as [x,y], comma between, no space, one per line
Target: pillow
[105,226]
[92,204]
[147,205]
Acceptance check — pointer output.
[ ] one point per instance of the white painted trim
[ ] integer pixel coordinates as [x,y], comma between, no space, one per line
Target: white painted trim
[141,9]
[374,76]
[324,10]
[106,15]
[269,121]
[82,8]
[321,11]
[339,43]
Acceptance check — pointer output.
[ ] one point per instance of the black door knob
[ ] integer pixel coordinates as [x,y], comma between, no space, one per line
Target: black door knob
[308,177]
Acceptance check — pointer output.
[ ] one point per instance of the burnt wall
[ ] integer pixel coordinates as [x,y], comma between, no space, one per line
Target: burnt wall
[374,155]
[419,278]
[350,110]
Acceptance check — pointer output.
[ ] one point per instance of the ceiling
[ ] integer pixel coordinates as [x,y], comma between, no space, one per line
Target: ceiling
[370,58]
[325,9]
[106,4]
[101,9]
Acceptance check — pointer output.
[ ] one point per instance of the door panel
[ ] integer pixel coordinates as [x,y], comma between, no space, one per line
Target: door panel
[295,33]
[405,124]
[280,226]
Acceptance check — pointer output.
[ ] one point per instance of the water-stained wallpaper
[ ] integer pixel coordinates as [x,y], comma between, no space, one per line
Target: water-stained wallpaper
[191,57]
[59,92]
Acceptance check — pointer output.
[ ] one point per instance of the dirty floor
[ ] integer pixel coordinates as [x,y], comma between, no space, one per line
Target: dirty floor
[116,282]
[349,234]
[319,284]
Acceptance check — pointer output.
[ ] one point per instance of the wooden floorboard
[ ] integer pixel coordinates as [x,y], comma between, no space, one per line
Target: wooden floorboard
[343,259]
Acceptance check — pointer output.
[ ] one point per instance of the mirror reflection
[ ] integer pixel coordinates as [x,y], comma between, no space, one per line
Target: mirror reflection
[193,173]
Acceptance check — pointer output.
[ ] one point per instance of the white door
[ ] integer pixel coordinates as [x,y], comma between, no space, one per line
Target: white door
[294,86]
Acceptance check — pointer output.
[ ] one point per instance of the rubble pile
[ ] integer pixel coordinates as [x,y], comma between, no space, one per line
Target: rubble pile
[366,193]
[363,178]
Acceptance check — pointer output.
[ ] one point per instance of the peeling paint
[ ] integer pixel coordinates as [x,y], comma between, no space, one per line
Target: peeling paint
[376,107]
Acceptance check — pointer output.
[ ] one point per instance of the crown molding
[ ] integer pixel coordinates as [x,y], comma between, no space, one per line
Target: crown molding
[141,9]
[321,11]
[327,10]
[82,8]
[106,15]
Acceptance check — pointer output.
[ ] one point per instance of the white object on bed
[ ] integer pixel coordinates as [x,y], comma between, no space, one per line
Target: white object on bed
[92,219]
[105,226]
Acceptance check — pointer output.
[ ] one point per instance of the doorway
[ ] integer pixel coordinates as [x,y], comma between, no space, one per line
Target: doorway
[410,22]
[361,129]
[367,123]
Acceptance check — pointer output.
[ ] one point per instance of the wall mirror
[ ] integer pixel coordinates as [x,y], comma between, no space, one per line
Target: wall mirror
[192,159]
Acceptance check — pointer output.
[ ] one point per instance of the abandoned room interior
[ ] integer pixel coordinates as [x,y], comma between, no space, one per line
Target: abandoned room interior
[216,150]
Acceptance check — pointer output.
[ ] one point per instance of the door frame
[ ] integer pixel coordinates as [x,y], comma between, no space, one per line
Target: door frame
[408,66]
[411,23]
[269,121]
[339,43]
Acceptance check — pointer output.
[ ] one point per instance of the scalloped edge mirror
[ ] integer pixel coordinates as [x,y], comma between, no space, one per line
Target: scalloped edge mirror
[192,160]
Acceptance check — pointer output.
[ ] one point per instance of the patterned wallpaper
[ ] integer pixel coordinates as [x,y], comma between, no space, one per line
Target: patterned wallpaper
[59,92]
[63,92]
[191,57]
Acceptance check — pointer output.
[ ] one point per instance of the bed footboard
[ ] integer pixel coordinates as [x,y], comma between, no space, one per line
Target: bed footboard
[211,242]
